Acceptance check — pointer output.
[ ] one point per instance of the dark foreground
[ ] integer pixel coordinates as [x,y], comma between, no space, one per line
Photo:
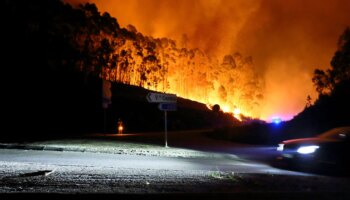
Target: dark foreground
[208,195]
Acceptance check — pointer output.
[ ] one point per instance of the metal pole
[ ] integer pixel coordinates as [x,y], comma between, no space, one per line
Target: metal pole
[165,128]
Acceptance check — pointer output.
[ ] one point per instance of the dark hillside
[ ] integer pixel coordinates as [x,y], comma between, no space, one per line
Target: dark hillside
[130,104]
[66,104]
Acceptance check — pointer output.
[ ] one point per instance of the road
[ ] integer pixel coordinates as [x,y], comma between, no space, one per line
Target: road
[224,163]
[84,172]
[234,168]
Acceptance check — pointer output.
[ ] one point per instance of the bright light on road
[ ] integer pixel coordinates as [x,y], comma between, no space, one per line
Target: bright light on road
[307,149]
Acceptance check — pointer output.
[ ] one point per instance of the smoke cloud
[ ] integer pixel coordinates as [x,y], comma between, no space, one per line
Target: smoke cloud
[287,39]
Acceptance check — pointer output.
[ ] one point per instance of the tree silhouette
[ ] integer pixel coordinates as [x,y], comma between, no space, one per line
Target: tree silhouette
[326,81]
[332,107]
[341,60]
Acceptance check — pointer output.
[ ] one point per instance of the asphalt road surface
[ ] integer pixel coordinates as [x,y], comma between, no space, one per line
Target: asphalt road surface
[235,169]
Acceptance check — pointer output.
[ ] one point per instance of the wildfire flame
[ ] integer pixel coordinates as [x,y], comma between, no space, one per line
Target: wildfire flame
[166,65]
[220,27]
[237,114]
[231,83]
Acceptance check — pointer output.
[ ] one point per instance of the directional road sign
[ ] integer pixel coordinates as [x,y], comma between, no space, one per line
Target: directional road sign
[153,97]
[167,106]
[167,103]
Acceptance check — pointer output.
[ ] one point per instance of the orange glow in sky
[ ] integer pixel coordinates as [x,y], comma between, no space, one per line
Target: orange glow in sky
[287,39]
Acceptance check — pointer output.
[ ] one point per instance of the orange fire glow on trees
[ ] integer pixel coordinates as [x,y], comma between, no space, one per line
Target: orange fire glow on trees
[287,39]
[158,64]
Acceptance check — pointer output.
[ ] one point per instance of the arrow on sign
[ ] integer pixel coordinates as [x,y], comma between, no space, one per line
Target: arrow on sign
[153,97]
[167,106]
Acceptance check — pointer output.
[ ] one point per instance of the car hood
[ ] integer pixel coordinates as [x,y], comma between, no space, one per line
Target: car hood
[307,141]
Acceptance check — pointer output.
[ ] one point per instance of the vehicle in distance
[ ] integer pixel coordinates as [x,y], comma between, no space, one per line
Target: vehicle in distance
[329,150]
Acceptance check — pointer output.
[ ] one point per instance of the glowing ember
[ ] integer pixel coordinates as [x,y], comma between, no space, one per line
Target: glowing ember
[237,114]
[209,106]
[236,111]
[226,109]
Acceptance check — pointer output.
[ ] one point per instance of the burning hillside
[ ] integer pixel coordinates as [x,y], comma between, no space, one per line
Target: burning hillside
[164,65]
[288,40]
[159,64]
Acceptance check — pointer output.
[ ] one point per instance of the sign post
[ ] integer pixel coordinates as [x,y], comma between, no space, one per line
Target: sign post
[166,129]
[167,102]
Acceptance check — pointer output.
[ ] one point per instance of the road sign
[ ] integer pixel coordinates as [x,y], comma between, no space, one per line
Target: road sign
[153,97]
[167,106]
[167,103]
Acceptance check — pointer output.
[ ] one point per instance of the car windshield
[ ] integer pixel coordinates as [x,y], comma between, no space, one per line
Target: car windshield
[336,133]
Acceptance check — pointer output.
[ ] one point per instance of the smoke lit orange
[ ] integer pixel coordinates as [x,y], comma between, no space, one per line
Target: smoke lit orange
[287,39]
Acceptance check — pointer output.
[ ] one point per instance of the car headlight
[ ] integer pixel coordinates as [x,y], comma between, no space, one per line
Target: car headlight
[280,147]
[307,149]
